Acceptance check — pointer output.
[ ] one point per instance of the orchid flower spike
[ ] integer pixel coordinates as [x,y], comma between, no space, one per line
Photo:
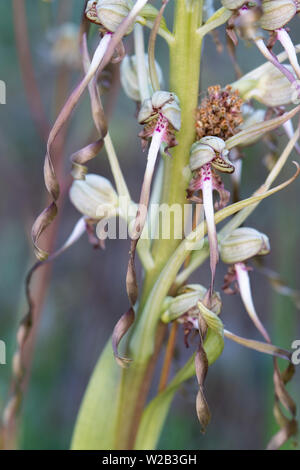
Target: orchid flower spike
[207,155]
[244,243]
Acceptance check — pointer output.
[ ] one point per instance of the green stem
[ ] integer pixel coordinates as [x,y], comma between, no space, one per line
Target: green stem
[185,53]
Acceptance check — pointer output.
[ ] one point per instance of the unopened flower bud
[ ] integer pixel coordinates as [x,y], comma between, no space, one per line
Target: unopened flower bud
[162,102]
[94,197]
[242,244]
[129,78]
[277,13]
[233,4]
[267,85]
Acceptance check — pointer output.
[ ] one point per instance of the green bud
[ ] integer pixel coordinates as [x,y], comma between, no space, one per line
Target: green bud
[242,244]
[129,78]
[93,195]
[277,13]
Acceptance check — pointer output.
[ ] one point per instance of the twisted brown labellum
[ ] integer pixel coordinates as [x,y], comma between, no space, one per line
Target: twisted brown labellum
[82,156]
[288,426]
[201,366]
[120,330]
[48,214]
[127,319]
[90,151]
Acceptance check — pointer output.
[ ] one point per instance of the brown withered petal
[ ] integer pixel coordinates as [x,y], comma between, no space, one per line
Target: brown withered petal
[46,217]
[281,392]
[288,426]
[219,113]
[288,373]
[120,330]
[85,154]
[82,156]
[202,409]
[96,104]
[40,224]
[131,281]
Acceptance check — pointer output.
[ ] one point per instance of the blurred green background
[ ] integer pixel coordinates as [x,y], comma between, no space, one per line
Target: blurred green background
[86,293]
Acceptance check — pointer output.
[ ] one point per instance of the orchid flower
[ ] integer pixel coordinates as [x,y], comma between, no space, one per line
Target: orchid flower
[241,245]
[207,155]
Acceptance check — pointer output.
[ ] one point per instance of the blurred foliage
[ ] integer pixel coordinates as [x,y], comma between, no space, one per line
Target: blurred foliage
[87,289]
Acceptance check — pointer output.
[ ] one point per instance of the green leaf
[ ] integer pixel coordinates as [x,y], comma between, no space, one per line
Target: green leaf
[156,412]
[97,418]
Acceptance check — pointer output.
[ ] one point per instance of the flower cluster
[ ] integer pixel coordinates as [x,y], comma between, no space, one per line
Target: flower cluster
[220,113]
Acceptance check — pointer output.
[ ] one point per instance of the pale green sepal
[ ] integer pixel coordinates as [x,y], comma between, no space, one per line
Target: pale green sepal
[212,320]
